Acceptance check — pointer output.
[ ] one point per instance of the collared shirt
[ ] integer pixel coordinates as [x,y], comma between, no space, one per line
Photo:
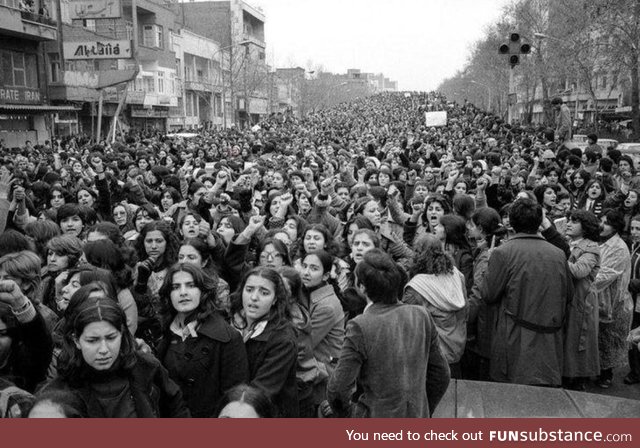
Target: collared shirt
[184,331]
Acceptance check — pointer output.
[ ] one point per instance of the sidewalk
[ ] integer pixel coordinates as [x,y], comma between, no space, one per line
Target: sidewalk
[618,388]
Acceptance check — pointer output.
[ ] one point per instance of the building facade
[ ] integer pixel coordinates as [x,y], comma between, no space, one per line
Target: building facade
[199,73]
[239,29]
[25,111]
[138,81]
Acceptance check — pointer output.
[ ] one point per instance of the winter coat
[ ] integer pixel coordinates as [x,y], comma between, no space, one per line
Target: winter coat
[392,352]
[444,296]
[327,332]
[272,365]
[153,393]
[614,300]
[481,317]
[207,365]
[530,280]
[581,333]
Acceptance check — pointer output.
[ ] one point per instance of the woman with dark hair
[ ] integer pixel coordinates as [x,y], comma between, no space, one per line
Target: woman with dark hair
[64,252]
[244,401]
[168,198]
[390,242]
[229,227]
[57,404]
[72,219]
[106,230]
[355,223]
[56,198]
[394,383]
[615,304]
[318,238]
[195,251]
[439,286]
[106,255]
[191,225]
[581,331]
[425,217]
[452,231]
[485,227]
[261,312]
[577,186]
[157,249]
[325,310]
[594,198]
[144,215]
[204,355]
[100,365]
[547,196]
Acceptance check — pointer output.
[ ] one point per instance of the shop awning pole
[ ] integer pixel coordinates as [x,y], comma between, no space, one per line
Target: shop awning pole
[118,110]
[99,132]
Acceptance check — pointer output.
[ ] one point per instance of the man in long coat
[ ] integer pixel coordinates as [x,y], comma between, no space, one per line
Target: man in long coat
[529,280]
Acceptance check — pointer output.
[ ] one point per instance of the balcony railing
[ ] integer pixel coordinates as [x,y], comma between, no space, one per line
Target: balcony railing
[38,18]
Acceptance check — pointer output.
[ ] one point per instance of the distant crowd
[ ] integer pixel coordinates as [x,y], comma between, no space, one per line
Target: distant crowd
[349,263]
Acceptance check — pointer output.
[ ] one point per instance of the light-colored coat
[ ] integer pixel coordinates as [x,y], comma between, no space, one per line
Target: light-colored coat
[581,334]
[614,300]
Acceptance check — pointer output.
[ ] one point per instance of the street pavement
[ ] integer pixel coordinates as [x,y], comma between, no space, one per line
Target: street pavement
[618,388]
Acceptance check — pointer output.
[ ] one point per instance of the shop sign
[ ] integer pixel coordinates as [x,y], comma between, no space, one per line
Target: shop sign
[149,113]
[19,95]
[95,9]
[98,49]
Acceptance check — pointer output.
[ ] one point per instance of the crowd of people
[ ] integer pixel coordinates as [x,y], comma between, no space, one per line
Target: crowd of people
[349,263]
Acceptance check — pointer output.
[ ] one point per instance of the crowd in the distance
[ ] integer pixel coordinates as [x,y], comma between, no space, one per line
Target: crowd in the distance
[345,264]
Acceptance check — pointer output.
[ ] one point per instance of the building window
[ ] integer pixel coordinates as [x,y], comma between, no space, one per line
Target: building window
[149,36]
[261,55]
[159,36]
[89,24]
[54,67]
[603,82]
[18,69]
[160,82]
[149,84]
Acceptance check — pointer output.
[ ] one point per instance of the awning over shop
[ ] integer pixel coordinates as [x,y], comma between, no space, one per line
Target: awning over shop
[35,108]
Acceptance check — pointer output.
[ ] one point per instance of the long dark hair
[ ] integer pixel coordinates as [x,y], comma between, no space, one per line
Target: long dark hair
[170,255]
[280,310]
[455,229]
[85,308]
[207,285]
[330,244]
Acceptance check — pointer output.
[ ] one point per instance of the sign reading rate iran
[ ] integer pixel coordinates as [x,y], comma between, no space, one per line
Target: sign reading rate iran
[105,49]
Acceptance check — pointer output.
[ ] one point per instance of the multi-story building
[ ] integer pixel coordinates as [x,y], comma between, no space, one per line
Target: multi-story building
[239,29]
[198,60]
[141,74]
[287,85]
[25,112]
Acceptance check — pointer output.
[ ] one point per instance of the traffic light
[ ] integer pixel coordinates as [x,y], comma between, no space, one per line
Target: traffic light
[514,49]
